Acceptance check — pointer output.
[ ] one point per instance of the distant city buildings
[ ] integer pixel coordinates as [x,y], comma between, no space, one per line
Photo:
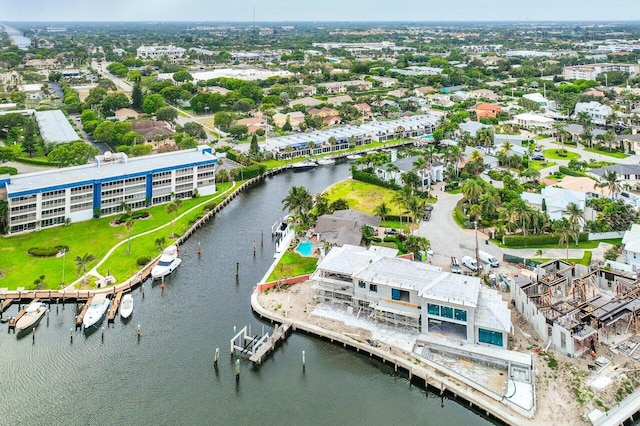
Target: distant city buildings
[157,52]
[591,71]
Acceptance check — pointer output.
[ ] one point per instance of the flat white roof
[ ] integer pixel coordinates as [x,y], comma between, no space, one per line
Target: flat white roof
[54,127]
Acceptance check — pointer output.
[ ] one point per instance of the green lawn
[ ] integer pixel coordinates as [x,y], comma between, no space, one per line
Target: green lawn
[613,154]
[362,196]
[94,237]
[292,265]
[540,165]
[581,245]
[553,155]
[584,260]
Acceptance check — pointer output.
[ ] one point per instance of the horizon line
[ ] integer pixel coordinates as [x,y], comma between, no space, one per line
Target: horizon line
[528,21]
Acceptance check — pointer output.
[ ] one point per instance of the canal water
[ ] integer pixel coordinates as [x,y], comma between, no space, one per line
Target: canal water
[168,378]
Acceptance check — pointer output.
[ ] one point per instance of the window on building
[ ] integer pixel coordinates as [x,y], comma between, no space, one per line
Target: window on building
[397,294]
[373,288]
[460,314]
[362,284]
[563,341]
[490,337]
[446,311]
[433,309]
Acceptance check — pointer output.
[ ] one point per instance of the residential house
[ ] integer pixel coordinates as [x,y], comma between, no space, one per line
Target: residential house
[306,102]
[343,227]
[631,246]
[576,131]
[398,93]
[335,87]
[385,81]
[307,91]
[411,295]
[365,111]
[330,116]
[425,90]
[123,114]
[531,121]
[149,129]
[542,102]
[472,127]
[595,93]
[254,124]
[629,142]
[488,110]
[555,201]
[404,165]
[628,174]
[339,100]
[484,94]
[295,118]
[441,100]
[218,90]
[597,111]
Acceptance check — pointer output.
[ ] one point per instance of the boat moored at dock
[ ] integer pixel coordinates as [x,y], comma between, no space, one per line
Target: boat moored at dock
[168,263]
[98,307]
[31,317]
[126,306]
[303,166]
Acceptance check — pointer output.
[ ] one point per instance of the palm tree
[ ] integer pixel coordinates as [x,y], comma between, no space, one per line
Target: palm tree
[420,164]
[488,204]
[475,211]
[454,156]
[562,229]
[584,119]
[415,208]
[608,138]
[574,213]
[129,225]
[559,127]
[485,137]
[610,181]
[172,209]
[472,190]
[382,210]
[403,198]
[506,149]
[298,201]
[519,214]
[81,265]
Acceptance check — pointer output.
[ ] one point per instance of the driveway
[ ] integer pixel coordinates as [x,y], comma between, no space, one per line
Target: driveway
[446,237]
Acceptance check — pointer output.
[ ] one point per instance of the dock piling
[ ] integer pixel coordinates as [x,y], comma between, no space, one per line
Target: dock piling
[142,289]
[102,334]
[262,238]
[71,334]
[303,361]
[215,358]
[33,337]
[237,271]
[237,370]
[139,331]
[254,248]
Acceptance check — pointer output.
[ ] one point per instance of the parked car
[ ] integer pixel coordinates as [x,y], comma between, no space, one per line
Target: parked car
[392,231]
[538,157]
[429,207]
[455,266]
[538,148]
[470,263]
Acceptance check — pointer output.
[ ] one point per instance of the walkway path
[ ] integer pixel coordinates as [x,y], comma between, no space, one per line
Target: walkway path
[94,270]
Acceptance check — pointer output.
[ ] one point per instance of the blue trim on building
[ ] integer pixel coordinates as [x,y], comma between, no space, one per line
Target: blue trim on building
[149,192]
[97,195]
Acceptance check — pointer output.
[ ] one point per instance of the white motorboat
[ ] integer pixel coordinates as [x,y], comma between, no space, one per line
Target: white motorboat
[353,157]
[32,316]
[126,306]
[98,307]
[303,166]
[168,263]
[326,161]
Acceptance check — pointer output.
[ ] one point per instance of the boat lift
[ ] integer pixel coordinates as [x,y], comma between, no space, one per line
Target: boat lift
[245,344]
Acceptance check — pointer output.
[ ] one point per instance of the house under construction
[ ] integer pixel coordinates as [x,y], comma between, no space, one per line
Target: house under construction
[573,308]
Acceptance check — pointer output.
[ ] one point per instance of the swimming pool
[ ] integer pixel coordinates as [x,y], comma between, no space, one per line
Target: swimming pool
[305,248]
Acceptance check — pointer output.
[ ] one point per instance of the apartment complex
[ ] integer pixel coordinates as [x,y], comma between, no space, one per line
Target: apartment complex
[50,198]
[416,296]
[157,52]
[591,71]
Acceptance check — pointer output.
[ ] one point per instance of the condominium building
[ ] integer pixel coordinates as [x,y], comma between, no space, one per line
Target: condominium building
[156,52]
[591,71]
[50,198]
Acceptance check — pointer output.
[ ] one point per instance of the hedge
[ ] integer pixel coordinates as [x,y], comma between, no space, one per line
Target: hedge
[537,240]
[570,172]
[46,251]
[36,161]
[232,155]
[251,171]
[372,179]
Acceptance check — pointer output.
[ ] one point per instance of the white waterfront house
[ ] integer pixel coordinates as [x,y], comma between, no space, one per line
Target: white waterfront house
[374,283]
[597,111]
[48,198]
[631,243]
[404,165]
[555,201]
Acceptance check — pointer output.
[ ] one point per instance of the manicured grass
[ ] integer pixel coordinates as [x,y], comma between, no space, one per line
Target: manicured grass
[553,155]
[394,224]
[362,196]
[94,237]
[540,165]
[572,245]
[613,154]
[292,265]
[584,260]
[455,191]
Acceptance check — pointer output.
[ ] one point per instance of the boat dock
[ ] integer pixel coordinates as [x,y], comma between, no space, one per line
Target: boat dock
[257,348]
[111,315]
[80,316]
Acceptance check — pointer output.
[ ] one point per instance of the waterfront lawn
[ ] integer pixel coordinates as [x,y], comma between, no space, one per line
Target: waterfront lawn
[553,155]
[292,265]
[94,237]
[613,154]
[362,196]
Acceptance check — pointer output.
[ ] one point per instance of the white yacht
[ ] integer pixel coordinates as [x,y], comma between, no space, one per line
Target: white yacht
[98,307]
[326,161]
[32,316]
[168,263]
[126,306]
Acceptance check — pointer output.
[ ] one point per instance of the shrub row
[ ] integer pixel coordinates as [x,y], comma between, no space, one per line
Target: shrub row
[372,179]
[36,161]
[134,216]
[46,251]
[249,172]
[570,172]
[537,240]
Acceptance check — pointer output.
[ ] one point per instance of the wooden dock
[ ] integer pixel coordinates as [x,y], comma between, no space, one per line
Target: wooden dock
[80,316]
[111,315]
[280,334]
[5,305]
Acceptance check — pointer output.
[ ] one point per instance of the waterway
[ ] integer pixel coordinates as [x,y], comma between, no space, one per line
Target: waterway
[168,378]
[16,37]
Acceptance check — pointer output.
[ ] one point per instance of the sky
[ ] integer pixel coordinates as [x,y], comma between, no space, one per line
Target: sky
[319,10]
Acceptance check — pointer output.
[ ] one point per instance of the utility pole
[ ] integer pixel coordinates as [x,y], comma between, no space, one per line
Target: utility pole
[475,225]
